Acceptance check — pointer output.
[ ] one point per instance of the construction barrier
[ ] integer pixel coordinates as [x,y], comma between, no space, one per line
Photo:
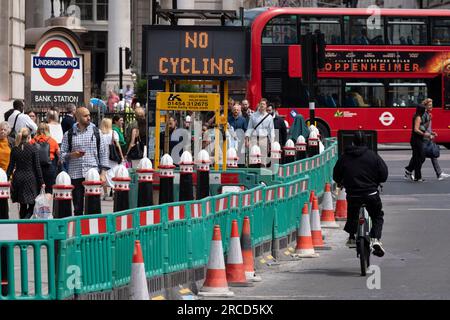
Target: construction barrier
[90,257]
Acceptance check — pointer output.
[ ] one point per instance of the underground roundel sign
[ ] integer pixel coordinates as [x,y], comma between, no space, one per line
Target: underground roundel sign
[56,73]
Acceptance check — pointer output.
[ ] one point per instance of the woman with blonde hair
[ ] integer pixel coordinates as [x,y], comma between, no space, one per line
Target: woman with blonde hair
[48,155]
[6,145]
[25,168]
[55,129]
[112,141]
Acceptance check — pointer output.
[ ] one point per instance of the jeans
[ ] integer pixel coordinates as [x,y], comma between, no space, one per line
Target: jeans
[436,166]
[418,158]
[374,208]
[78,196]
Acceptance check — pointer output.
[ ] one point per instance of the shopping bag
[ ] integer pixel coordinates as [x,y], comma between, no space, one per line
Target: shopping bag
[42,209]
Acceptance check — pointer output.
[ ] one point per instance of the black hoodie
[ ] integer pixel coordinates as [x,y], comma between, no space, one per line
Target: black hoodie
[360,171]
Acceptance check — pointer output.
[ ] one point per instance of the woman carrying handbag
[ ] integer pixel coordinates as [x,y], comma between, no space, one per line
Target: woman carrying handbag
[431,149]
[115,155]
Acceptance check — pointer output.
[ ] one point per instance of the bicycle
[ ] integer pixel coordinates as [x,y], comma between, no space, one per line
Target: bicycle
[363,242]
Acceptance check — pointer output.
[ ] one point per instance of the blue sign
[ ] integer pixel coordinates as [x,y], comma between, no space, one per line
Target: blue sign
[293,114]
[56,63]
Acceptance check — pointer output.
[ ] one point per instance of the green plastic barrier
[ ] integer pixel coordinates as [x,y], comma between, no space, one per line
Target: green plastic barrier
[24,238]
[257,215]
[95,252]
[150,232]
[125,225]
[176,238]
[197,233]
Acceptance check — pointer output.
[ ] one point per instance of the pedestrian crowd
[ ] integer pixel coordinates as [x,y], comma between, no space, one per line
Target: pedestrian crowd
[32,154]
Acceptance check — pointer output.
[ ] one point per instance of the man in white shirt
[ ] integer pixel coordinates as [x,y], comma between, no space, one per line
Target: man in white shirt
[18,120]
[261,130]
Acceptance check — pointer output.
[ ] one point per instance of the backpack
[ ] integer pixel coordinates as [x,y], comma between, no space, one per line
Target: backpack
[43,148]
[97,138]
[12,134]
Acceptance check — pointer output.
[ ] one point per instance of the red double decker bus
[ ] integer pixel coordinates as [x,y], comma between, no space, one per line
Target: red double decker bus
[374,75]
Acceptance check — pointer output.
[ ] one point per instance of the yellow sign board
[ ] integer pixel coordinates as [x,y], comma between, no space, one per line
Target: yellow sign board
[174,101]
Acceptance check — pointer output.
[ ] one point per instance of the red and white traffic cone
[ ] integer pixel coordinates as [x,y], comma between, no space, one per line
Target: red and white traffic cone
[138,288]
[235,265]
[341,206]
[247,252]
[327,216]
[305,248]
[316,229]
[216,284]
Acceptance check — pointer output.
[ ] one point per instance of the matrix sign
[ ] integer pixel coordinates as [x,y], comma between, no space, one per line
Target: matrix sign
[56,74]
[199,52]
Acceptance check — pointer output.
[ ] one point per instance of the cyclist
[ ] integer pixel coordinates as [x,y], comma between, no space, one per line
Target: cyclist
[361,171]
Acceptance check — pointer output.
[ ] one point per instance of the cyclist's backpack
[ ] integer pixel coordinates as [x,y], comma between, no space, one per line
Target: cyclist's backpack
[43,148]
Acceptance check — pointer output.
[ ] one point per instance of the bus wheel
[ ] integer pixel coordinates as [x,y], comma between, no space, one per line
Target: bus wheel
[324,132]
[447,145]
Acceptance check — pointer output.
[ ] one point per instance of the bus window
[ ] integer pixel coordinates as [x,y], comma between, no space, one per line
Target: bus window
[359,34]
[406,93]
[407,32]
[328,93]
[364,94]
[440,32]
[281,30]
[330,27]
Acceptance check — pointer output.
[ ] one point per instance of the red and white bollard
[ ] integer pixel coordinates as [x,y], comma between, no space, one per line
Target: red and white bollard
[300,148]
[122,182]
[62,196]
[186,180]
[255,157]
[92,193]
[313,144]
[4,195]
[145,173]
[289,152]
[232,159]
[166,177]
[203,163]
[4,215]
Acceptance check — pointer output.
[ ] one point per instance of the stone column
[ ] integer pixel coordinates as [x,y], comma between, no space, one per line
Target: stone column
[186,4]
[12,48]
[119,35]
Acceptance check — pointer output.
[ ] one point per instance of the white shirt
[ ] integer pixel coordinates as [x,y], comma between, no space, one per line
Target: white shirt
[265,129]
[108,139]
[56,132]
[23,121]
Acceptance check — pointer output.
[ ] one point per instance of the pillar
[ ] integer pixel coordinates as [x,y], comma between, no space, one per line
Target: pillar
[119,35]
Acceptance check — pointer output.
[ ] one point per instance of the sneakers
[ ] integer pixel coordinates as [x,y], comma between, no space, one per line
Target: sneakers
[351,243]
[443,176]
[419,180]
[408,175]
[377,248]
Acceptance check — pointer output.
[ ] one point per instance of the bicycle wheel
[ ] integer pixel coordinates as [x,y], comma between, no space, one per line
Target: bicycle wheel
[363,256]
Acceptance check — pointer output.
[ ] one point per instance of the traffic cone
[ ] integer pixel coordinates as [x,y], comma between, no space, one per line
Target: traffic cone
[327,216]
[215,284]
[138,289]
[305,248]
[316,229]
[311,198]
[247,252]
[235,265]
[341,206]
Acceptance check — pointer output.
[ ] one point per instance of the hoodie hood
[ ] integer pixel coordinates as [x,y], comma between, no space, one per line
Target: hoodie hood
[356,151]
